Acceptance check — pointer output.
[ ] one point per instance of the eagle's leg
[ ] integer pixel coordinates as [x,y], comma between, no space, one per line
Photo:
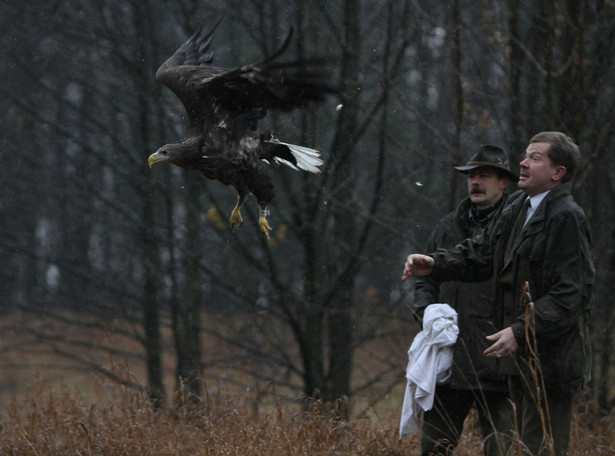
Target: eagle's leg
[262,221]
[262,188]
[236,218]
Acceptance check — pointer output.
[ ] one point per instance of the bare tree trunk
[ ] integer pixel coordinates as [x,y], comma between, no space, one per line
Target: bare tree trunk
[309,328]
[151,261]
[340,331]
[571,113]
[189,363]
[459,103]
[515,63]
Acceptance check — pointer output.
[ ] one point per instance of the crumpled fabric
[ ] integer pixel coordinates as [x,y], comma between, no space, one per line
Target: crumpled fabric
[430,361]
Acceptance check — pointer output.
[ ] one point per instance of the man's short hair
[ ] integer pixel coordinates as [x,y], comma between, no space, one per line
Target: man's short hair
[563,151]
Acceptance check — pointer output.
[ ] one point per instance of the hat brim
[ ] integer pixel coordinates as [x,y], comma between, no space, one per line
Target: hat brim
[466,169]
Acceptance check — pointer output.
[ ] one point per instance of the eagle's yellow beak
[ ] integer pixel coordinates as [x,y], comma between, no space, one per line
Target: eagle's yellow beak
[154,158]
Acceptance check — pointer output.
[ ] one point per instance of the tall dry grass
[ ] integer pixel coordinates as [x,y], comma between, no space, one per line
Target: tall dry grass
[81,415]
[57,422]
[63,423]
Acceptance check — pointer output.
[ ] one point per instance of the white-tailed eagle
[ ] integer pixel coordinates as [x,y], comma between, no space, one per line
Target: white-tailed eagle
[224,106]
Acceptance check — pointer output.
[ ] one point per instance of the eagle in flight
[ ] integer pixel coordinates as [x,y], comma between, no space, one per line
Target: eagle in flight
[224,106]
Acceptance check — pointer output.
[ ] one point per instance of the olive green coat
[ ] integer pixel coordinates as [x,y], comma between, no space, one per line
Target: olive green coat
[472,301]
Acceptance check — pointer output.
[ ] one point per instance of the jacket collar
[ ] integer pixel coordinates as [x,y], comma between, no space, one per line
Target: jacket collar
[470,215]
[556,193]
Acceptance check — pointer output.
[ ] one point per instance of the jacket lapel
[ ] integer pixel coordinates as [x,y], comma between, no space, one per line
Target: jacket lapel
[535,224]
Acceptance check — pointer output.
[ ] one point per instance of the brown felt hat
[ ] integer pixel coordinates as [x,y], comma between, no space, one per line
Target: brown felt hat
[491,156]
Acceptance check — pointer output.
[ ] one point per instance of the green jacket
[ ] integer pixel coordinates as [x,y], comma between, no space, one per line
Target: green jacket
[552,254]
[472,301]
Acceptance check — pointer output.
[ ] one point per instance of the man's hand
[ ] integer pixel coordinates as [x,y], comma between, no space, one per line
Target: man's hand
[417,266]
[505,344]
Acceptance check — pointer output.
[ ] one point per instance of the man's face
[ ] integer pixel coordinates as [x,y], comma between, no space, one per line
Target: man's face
[485,187]
[538,173]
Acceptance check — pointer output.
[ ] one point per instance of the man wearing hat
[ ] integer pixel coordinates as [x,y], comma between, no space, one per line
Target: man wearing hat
[475,379]
[542,240]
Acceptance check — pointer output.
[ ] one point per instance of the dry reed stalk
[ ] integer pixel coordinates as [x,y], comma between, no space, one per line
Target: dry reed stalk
[536,369]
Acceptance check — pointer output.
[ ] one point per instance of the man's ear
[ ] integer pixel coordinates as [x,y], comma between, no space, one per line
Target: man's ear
[504,182]
[559,173]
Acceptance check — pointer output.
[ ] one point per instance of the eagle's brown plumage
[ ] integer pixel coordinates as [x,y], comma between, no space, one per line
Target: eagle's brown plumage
[224,107]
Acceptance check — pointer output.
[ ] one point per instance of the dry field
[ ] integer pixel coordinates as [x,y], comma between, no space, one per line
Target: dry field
[60,412]
[53,421]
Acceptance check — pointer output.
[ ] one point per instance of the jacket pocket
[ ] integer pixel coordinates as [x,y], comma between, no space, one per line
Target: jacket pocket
[562,361]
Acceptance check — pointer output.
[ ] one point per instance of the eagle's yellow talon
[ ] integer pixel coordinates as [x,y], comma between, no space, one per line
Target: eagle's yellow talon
[236,218]
[265,228]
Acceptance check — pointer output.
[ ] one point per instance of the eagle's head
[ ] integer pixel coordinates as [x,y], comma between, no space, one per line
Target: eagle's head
[166,153]
[185,154]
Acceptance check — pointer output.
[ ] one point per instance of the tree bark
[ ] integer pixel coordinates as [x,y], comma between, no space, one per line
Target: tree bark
[340,321]
[151,261]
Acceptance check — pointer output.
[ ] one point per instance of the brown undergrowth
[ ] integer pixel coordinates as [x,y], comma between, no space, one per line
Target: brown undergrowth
[51,421]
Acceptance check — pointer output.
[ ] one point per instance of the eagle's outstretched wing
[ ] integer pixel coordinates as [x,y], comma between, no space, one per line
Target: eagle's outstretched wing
[242,96]
[269,84]
[188,65]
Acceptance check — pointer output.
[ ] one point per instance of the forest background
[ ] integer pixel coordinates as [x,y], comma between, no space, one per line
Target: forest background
[115,272]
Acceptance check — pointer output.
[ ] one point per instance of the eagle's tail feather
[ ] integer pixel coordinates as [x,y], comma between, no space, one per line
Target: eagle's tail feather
[307,159]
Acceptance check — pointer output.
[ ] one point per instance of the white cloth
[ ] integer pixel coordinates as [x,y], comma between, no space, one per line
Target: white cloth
[430,361]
